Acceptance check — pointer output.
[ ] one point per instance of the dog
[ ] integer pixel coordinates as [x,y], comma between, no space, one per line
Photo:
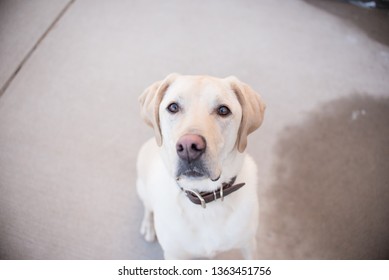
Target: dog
[197,184]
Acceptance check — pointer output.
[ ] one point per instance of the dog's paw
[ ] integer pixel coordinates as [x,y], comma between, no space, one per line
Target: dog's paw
[147,228]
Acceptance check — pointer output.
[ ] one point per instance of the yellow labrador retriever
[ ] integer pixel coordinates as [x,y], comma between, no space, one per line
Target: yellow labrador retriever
[198,187]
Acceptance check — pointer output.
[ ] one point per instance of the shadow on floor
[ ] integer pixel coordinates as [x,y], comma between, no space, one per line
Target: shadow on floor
[374,22]
[331,198]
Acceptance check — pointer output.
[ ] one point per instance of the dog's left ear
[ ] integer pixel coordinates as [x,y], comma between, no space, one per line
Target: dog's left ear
[150,100]
[253,110]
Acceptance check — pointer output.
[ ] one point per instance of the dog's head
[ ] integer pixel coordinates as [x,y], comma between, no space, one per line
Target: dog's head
[201,122]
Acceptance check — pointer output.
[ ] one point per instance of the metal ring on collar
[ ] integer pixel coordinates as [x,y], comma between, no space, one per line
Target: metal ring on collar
[203,204]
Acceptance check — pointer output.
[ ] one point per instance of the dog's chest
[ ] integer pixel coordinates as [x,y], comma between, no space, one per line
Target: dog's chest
[200,232]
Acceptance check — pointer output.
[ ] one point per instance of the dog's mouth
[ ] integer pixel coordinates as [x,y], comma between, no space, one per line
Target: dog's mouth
[192,173]
[195,171]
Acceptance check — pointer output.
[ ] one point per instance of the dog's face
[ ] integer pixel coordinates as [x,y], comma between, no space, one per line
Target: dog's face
[199,119]
[200,122]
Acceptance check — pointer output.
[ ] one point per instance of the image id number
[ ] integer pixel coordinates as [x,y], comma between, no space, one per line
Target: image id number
[254,270]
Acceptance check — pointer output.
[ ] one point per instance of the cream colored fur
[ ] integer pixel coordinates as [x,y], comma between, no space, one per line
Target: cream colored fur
[186,230]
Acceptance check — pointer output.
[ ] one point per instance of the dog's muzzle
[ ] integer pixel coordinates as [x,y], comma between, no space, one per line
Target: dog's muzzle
[190,148]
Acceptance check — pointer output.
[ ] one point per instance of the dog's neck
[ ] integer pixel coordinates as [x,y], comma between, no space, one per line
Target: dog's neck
[230,170]
[206,197]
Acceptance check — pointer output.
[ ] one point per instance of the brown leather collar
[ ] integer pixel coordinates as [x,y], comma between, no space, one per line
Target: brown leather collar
[206,197]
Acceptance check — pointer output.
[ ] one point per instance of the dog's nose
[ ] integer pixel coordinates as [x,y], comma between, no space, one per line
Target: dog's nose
[190,147]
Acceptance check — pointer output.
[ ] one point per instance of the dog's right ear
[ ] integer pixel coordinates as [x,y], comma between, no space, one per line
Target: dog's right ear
[150,100]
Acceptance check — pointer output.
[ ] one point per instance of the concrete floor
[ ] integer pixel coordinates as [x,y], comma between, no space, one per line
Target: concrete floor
[70,75]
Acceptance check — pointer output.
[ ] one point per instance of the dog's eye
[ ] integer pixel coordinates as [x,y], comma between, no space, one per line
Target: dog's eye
[173,108]
[223,111]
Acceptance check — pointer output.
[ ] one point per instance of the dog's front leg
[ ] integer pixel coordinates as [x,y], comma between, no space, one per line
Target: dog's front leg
[147,227]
